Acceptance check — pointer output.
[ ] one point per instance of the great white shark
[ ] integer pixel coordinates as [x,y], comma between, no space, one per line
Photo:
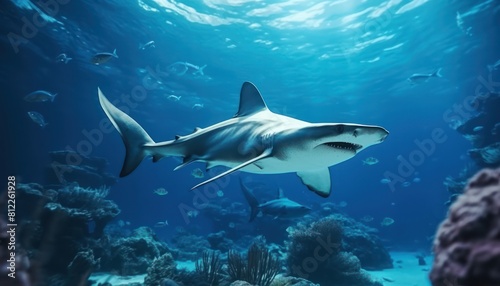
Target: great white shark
[254,140]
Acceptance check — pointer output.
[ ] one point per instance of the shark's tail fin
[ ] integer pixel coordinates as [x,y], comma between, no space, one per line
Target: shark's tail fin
[133,135]
[437,73]
[252,201]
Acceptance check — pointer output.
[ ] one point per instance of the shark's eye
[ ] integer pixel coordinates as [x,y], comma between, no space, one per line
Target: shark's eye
[340,129]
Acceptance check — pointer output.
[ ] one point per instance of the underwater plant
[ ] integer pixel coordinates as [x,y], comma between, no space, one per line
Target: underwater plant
[209,268]
[260,267]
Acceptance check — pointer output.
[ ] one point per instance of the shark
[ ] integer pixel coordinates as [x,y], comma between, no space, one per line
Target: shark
[254,140]
[282,207]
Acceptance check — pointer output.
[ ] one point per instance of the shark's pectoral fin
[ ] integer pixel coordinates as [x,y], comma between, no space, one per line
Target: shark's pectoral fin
[317,181]
[267,153]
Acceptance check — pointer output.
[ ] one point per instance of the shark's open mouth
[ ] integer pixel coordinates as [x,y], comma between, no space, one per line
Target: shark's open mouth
[344,145]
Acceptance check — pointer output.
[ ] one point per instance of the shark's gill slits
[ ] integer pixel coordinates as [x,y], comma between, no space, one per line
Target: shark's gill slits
[343,145]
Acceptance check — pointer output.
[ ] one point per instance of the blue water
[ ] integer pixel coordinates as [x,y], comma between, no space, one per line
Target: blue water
[318,61]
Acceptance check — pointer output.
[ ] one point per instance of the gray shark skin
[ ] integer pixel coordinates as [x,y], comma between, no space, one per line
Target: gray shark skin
[255,140]
[281,207]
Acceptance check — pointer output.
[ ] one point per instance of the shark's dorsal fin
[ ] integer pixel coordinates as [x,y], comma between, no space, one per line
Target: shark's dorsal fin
[281,195]
[250,100]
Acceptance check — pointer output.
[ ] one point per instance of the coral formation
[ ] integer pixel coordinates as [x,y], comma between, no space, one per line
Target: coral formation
[218,241]
[163,267]
[483,131]
[131,255]
[315,253]
[59,224]
[467,243]
[189,246]
[83,205]
[81,267]
[291,281]
[360,240]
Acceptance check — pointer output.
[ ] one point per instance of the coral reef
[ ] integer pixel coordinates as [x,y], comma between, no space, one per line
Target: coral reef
[291,281]
[315,252]
[131,255]
[79,206]
[189,246]
[81,267]
[260,266]
[241,283]
[467,243]
[483,131]
[163,267]
[59,226]
[218,241]
[361,241]
[69,166]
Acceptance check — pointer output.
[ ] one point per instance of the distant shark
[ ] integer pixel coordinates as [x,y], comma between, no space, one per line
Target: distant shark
[254,140]
[281,207]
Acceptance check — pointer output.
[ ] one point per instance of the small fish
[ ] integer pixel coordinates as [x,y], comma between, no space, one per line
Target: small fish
[37,118]
[478,128]
[40,96]
[160,191]
[418,78]
[63,58]
[150,44]
[370,161]
[417,180]
[367,218]
[406,184]
[101,58]
[197,173]
[174,97]
[220,193]
[385,181]
[494,66]
[161,223]
[387,221]
[198,106]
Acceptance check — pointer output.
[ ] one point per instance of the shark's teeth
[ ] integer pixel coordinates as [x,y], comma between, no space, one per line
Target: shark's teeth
[344,145]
